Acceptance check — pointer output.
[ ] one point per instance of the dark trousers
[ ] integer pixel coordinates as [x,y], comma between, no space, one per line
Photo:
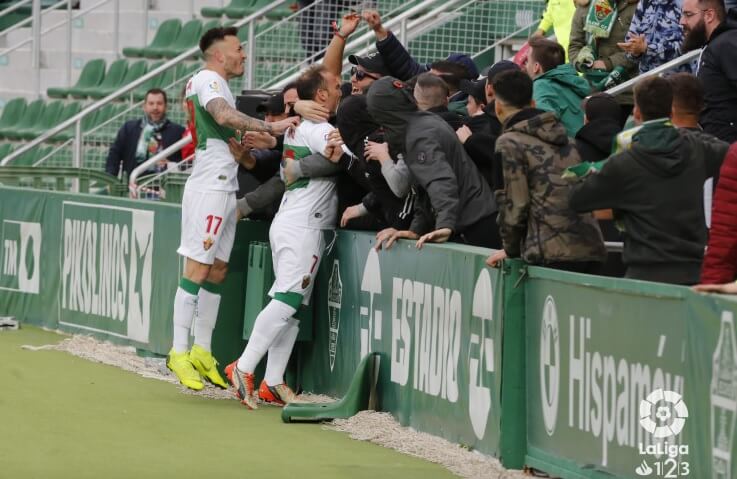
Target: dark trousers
[484,233]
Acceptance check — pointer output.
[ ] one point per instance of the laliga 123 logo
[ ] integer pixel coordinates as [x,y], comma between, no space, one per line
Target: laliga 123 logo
[663,414]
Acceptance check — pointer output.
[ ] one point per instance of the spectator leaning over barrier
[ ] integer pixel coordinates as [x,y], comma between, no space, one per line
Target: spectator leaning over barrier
[656,190]
[655,34]
[558,15]
[597,27]
[138,140]
[453,201]
[398,60]
[481,125]
[720,261]
[431,94]
[602,117]
[706,24]
[535,220]
[556,85]
[390,199]
[209,205]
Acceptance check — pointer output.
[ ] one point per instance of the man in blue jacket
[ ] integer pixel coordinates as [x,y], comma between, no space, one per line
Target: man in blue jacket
[140,139]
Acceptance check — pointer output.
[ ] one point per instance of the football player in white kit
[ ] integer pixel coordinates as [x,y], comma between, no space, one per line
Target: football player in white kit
[208,204]
[308,210]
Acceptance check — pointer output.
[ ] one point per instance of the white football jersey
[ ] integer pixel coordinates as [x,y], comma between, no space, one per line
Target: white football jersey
[309,202]
[214,165]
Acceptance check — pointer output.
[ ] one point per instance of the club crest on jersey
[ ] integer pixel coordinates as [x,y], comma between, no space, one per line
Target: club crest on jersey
[207,244]
[305,281]
[214,86]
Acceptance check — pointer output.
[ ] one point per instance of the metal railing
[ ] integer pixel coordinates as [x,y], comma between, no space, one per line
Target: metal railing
[76,121]
[152,185]
[37,33]
[361,43]
[675,63]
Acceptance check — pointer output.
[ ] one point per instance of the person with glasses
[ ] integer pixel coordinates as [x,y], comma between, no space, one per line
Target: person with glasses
[365,71]
[706,24]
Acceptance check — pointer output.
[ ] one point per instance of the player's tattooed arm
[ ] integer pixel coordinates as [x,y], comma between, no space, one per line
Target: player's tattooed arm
[228,116]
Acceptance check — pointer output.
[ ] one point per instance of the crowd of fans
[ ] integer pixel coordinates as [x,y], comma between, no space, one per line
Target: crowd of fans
[533,159]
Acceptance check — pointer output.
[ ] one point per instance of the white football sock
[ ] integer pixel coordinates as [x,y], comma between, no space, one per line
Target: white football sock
[184,309]
[279,353]
[208,305]
[271,321]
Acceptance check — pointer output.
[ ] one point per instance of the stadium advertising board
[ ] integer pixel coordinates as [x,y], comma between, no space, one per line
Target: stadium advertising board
[435,318]
[106,261]
[90,263]
[629,379]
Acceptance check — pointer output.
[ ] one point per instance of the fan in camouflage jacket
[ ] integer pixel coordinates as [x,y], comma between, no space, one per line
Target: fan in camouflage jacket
[535,220]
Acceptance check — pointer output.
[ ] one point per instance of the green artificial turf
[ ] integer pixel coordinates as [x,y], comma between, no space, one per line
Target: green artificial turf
[66,417]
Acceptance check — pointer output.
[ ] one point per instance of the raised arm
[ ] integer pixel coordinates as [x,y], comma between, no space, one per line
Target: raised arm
[333,59]
[226,115]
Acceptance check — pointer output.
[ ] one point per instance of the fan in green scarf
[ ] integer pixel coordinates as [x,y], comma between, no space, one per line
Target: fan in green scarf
[599,23]
[149,143]
[601,17]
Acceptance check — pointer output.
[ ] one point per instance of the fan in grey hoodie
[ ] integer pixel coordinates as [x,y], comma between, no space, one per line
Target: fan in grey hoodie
[453,200]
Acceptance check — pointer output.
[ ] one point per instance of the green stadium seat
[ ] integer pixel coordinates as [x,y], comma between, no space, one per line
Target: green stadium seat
[48,118]
[112,81]
[188,37]
[134,71]
[31,117]
[215,12]
[12,113]
[5,150]
[162,80]
[69,111]
[282,11]
[241,11]
[30,157]
[91,76]
[210,25]
[165,36]
[140,91]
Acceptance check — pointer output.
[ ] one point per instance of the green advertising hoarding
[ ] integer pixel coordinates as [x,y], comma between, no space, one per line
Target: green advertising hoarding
[108,267]
[434,316]
[598,349]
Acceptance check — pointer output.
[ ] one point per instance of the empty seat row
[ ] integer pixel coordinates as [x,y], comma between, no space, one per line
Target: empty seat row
[172,39]
[21,121]
[94,83]
[245,8]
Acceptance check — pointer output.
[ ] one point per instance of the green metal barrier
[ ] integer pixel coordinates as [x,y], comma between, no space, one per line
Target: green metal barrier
[108,267]
[557,385]
[597,347]
[62,179]
[434,317]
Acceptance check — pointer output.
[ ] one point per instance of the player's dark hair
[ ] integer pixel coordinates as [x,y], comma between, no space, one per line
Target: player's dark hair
[451,72]
[548,53]
[688,93]
[157,91]
[289,86]
[215,35]
[310,81]
[654,98]
[513,88]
